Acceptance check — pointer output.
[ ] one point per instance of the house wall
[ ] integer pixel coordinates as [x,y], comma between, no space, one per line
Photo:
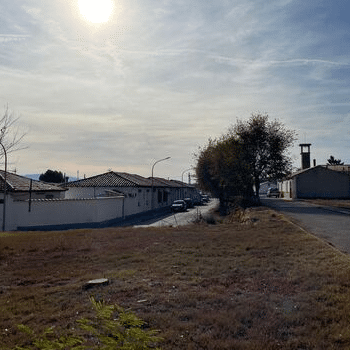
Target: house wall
[58,214]
[321,183]
[22,196]
[97,207]
[286,189]
[137,199]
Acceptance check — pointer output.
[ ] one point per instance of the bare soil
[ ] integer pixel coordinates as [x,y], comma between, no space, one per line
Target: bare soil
[251,281]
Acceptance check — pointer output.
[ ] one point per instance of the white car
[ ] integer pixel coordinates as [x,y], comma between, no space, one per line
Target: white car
[273,192]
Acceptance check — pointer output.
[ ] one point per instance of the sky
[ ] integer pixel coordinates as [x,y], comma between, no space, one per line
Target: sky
[159,78]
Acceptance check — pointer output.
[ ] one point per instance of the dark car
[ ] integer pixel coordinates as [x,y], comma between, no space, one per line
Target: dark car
[205,198]
[179,205]
[273,192]
[198,200]
[189,202]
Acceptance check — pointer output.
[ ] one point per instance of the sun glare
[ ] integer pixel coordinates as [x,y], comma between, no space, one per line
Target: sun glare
[96,11]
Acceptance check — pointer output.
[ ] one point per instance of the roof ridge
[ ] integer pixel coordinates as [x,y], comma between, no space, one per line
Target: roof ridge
[7,183]
[125,178]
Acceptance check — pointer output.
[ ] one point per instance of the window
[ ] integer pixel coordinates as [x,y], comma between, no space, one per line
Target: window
[165,196]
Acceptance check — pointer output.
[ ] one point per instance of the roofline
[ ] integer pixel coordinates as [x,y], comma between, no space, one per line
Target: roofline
[311,168]
[11,188]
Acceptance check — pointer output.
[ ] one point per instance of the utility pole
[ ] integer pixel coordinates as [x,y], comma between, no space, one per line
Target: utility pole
[152,200]
[5,188]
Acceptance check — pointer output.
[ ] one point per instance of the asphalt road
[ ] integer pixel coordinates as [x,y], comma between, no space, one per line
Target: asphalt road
[328,223]
[183,218]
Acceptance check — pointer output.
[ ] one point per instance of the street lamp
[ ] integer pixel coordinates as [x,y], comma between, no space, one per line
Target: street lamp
[5,180]
[182,175]
[160,160]
[182,181]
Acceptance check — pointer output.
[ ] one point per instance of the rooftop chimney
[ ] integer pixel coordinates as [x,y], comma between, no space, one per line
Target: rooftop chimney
[305,155]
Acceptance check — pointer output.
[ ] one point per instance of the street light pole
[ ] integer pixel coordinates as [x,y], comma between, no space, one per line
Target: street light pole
[5,182]
[160,160]
[182,181]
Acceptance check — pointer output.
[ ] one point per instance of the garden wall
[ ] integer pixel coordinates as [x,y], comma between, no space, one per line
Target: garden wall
[62,213]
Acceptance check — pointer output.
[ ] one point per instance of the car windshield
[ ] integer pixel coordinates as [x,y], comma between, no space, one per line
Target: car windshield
[178,202]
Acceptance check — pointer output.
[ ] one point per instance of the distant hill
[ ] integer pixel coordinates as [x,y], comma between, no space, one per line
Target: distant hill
[32,176]
[36,177]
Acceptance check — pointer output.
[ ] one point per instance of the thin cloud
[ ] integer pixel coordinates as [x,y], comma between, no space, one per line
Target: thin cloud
[5,38]
[162,78]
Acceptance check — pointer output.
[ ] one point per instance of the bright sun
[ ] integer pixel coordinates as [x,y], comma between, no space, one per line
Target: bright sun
[96,11]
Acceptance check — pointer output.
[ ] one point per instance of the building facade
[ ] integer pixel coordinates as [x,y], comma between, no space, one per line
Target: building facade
[328,182]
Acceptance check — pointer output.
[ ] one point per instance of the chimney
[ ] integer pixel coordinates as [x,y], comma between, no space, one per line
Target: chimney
[305,155]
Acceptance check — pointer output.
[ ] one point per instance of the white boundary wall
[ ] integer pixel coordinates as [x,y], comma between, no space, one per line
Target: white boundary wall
[61,213]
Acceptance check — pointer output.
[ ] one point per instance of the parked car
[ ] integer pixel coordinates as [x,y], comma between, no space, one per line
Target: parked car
[198,200]
[189,202]
[179,205]
[273,192]
[205,198]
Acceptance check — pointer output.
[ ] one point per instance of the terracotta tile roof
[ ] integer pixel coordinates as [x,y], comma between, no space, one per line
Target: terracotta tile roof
[121,179]
[110,179]
[136,179]
[18,183]
[178,183]
[157,181]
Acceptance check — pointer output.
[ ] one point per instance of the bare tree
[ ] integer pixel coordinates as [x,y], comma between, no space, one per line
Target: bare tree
[10,141]
[10,134]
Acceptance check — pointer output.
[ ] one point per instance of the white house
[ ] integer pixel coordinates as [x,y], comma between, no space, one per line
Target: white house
[30,204]
[141,194]
[93,202]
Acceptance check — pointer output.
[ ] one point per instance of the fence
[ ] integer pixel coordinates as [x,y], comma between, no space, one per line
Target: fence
[62,213]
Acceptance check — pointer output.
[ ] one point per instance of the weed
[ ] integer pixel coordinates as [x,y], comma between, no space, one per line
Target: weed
[102,332]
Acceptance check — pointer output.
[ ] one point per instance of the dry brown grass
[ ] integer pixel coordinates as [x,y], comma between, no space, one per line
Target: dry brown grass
[253,281]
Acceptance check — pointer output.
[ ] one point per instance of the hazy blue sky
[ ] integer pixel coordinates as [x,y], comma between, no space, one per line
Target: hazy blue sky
[161,77]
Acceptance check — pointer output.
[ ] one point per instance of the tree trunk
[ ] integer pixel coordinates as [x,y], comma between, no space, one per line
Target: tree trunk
[257,188]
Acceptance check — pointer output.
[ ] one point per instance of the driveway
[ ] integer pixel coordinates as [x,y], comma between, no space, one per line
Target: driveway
[329,223]
[183,218]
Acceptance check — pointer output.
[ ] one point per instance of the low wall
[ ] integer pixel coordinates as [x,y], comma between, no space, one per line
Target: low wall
[62,213]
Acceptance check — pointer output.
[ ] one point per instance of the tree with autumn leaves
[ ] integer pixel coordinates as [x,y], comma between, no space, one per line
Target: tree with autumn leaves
[250,152]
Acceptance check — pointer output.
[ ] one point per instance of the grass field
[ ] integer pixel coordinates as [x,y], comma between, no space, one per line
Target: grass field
[251,281]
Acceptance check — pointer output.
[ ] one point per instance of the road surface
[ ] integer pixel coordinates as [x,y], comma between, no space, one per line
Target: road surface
[328,223]
[183,218]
